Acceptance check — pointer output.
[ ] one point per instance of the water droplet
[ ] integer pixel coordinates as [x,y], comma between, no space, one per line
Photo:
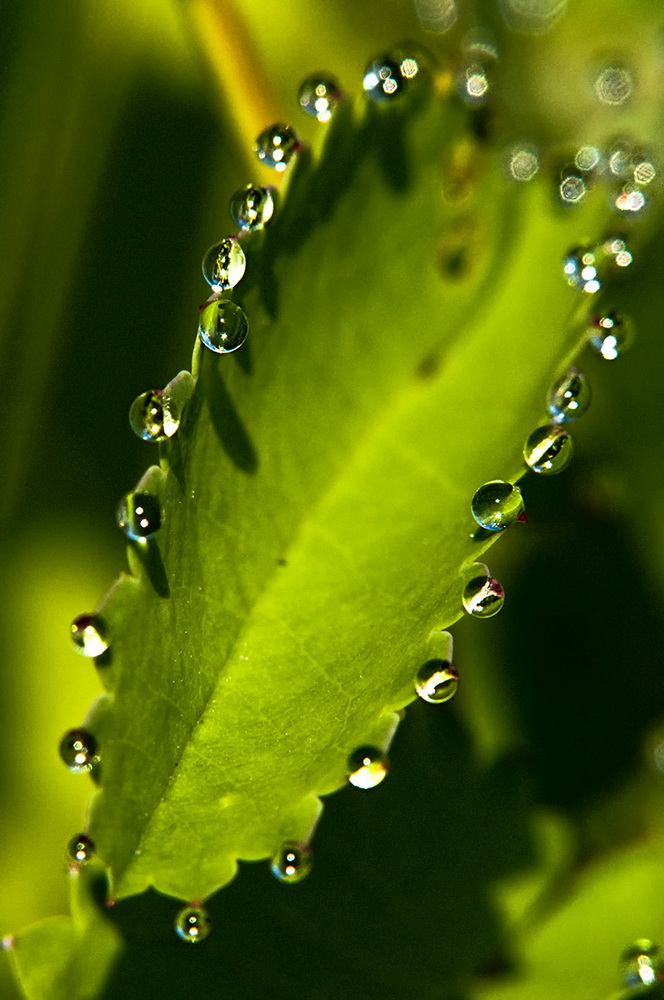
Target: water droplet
[223,326]
[192,924]
[572,189]
[367,766]
[523,163]
[587,158]
[569,397]
[78,750]
[642,963]
[496,505]
[154,416]
[611,335]
[276,146]
[437,681]
[252,207]
[319,95]
[292,862]
[548,450]
[89,635]
[139,515]
[389,75]
[614,85]
[80,848]
[224,264]
[580,267]
[483,597]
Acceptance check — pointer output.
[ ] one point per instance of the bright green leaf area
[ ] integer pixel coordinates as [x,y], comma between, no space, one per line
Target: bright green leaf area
[67,959]
[316,499]
[576,952]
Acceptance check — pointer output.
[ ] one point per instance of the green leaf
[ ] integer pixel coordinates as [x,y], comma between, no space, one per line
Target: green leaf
[67,959]
[576,952]
[316,527]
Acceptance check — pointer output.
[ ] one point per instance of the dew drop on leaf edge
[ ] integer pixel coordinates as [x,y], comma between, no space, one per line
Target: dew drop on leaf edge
[548,450]
[139,515]
[251,207]
[483,597]
[496,505]
[610,335]
[89,635]
[642,963]
[223,326]
[319,95]
[569,397]
[292,862]
[192,924]
[224,264]
[154,415]
[78,750]
[80,849]
[437,681]
[276,146]
[367,766]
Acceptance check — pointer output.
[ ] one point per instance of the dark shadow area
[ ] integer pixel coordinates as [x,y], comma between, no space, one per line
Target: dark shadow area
[228,427]
[147,551]
[400,874]
[581,645]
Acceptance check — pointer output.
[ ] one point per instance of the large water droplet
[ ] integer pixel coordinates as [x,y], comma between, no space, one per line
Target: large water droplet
[139,515]
[224,264]
[367,767]
[437,681]
[89,635]
[319,95]
[292,862]
[78,750]
[611,335]
[483,597]
[548,450]
[496,505]
[80,848]
[252,207]
[642,963]
[569,397]
[581,268]
[276,146]
[192,924]
[223,326]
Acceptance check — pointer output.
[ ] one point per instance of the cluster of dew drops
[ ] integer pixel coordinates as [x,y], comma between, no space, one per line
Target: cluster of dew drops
[223,327]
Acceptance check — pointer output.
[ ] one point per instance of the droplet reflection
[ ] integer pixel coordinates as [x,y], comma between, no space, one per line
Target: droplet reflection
[292,862]
[367,767]
[89,635]
[192,924]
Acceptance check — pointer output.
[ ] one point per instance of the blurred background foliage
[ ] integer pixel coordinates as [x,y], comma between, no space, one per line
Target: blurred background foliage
[537,800]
